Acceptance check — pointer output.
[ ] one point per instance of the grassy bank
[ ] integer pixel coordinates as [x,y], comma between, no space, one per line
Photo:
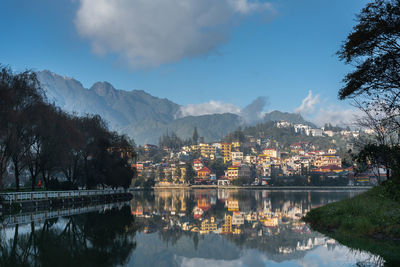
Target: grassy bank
[372,214]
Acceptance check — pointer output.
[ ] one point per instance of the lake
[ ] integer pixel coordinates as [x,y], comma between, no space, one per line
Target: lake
[204,227]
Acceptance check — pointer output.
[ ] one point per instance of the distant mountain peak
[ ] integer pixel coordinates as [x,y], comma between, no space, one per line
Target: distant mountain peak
[104,89]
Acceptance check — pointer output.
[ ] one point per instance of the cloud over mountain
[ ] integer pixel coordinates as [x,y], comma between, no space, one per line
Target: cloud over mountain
[308,104]
[315,110]
[254,111]
[249,114]
[151,33]
[211,107]
[337,116]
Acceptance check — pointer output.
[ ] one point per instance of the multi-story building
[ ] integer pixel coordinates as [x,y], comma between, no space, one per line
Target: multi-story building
[237,156]
[271,152]
[316,132]
[232,173]
[326,160]
[207,151]
[226,150]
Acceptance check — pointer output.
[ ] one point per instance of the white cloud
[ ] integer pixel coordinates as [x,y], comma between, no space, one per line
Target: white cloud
[336,116]
[319,113]
[308,104]
[255,110]
[147,33]
[211,107]
[246,7]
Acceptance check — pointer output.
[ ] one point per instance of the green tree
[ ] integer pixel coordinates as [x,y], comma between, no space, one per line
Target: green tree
[178,173]
[195,137]
[373,47]
[190,173]
[218,167]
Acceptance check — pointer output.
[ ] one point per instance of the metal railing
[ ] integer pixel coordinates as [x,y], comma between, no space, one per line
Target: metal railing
[22,196]
[11,220]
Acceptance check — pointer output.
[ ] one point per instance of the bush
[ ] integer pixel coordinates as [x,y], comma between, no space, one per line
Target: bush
[54,184]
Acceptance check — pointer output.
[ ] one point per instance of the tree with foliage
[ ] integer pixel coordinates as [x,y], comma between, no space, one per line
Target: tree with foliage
[19,93]
[373,47]
[195,137]
[178,174]
[190,173]
[50,145]
[218,166]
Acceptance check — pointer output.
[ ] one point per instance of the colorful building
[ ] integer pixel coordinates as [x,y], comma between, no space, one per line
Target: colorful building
[226,150]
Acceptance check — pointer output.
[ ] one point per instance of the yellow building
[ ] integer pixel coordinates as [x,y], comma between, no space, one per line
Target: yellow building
[271,152]
[207,151]
[236,144]
[237,231]
[232,173]
[271,222]
[227,226]
[208,226]
[326,160]
[233,205]
[226,150]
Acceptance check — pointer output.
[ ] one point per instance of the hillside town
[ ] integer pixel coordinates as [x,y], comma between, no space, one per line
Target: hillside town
[260,160]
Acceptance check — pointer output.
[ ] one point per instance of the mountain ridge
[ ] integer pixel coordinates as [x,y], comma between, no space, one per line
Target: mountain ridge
[139,114]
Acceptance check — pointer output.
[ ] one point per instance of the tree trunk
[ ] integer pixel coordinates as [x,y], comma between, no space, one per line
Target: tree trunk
[33,178]
[16,174]
[1,179]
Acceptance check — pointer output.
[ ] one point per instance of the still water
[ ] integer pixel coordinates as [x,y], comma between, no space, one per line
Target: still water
[182,228]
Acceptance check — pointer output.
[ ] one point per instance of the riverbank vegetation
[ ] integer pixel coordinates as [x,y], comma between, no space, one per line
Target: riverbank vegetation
[54,149]
[375,213]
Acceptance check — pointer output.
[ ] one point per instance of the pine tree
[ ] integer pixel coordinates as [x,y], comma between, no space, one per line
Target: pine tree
[195,137]
[190,174]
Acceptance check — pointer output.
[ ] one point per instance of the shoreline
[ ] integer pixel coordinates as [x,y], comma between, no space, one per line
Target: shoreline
[301,188]
[372,214]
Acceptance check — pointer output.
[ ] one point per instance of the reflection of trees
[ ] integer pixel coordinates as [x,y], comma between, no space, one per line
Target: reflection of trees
[93,239]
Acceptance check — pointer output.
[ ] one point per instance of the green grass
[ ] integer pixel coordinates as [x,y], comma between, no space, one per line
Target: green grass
[375,213]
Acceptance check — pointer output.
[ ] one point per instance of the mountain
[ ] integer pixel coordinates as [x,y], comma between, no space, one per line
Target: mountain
[131,112]
[118,107]
[294,118]
[138,114]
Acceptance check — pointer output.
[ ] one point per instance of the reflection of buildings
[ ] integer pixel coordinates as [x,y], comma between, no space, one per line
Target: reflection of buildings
[271,222]
[227,225]
[233,205]
[238,218]
[208,226]
[260,216]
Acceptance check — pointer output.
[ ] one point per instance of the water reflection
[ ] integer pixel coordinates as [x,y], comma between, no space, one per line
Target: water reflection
[93,239]
[235,228]
[183,228]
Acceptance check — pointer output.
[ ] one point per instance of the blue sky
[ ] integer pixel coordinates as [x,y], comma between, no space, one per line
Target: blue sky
[191,52]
